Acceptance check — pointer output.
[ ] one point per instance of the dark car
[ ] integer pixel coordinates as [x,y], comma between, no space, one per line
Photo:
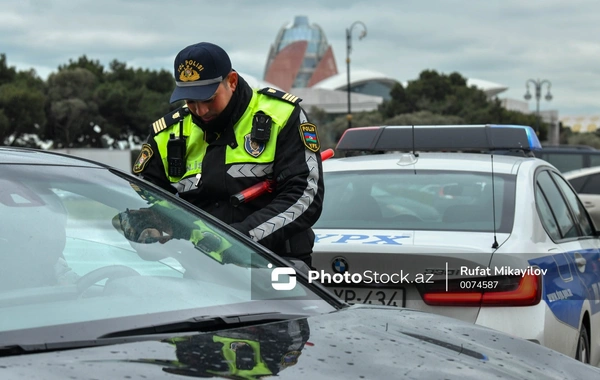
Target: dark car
[570,157]
[84,294]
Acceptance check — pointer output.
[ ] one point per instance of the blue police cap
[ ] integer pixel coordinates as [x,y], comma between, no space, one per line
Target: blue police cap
[199,69]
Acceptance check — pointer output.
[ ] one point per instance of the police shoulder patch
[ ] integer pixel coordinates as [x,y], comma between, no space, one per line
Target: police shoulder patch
[280,95]
[169,119]
[143,158]
[310,137]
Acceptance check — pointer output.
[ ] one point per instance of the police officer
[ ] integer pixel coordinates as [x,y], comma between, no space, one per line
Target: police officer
[228,137]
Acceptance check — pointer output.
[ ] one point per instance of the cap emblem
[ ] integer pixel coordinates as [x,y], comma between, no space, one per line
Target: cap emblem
[189,71]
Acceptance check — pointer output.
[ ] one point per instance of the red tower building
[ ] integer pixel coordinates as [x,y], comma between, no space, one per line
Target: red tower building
[300,56]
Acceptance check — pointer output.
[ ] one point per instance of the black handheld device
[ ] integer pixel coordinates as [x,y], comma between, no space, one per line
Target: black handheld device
[176,153]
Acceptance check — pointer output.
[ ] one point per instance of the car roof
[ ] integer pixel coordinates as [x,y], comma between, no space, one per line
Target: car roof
[570,147]
[475,162]
[30,156]
[581,172]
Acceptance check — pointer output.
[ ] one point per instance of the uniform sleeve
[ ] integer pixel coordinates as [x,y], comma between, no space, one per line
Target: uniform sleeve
[299,191]
[153,169]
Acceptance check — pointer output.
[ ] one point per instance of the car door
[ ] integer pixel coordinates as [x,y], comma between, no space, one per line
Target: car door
[588,265]
[573,273]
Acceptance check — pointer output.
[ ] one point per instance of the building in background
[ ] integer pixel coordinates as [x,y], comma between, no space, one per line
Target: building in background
[302,62]
[581,123]
[300,56]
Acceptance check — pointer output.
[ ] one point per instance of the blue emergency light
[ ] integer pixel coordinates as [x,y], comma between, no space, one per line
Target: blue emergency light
[487,137]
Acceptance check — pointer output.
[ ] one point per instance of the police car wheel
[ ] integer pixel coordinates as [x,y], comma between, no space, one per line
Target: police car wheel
[583,346]
[109,272]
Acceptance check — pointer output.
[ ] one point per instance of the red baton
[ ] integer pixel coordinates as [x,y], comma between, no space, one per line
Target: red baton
[265,186]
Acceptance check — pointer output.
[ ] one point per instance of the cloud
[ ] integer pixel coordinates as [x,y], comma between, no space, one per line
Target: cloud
[503,41]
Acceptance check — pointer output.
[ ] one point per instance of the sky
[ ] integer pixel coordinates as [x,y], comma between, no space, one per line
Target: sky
[502,41]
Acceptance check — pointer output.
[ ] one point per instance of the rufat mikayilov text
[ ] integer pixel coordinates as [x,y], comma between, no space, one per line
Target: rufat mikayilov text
[369,277]
[504,270]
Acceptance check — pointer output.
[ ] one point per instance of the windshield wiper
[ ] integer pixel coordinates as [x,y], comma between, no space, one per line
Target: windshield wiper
[197,324]
[23,349]
[204,324]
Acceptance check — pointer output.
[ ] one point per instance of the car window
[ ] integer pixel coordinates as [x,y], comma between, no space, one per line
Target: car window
[72,249]
[557,204]
[425,200]
[579,211]
[579,182]
[546,216]
[591,186]
[563,161]
[594,160]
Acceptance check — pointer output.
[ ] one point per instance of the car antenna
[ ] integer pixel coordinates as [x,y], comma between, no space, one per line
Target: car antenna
[495,244]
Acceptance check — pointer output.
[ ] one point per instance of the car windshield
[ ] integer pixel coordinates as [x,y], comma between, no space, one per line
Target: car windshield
[72,252]
[418,200]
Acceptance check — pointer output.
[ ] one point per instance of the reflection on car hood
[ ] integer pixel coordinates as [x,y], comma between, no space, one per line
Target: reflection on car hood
[360,342]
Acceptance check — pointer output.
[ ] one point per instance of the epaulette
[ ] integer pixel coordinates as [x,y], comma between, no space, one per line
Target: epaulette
[170,119]
[280,95]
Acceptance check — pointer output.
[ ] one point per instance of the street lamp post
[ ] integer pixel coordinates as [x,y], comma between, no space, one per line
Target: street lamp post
[538,84]
[348,49]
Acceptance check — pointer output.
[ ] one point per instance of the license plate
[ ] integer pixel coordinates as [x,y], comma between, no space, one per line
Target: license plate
[387,297]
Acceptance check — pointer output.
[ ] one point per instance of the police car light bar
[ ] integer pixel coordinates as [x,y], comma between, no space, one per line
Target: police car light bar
[440,138]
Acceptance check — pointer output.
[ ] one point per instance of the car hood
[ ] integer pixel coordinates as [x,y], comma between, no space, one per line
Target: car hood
[358,342]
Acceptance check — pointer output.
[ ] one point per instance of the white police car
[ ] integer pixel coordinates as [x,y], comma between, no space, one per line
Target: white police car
[499,239]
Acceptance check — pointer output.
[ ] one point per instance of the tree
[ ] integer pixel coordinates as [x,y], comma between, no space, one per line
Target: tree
[590,139]
[21,103]
[21,111]
[72,109]
[449,95]
[424,118]
[73,122]
[7,74]
[131,100]
[331,132]
[398,104]
[93,66]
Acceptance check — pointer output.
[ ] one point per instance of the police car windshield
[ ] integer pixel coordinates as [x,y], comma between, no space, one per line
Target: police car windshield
[425,200]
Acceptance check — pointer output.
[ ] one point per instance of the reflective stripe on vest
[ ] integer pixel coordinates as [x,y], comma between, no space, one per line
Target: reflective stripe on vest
[289,215]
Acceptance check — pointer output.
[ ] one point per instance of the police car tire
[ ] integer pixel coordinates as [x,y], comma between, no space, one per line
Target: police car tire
[583,346]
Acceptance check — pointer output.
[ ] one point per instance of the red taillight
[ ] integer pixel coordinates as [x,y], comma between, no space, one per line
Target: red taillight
[529,292]
[453,299]
[507,291]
